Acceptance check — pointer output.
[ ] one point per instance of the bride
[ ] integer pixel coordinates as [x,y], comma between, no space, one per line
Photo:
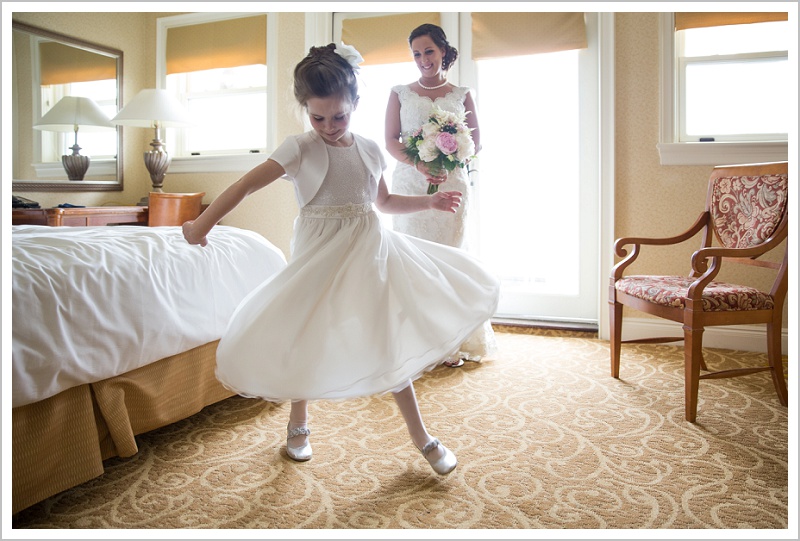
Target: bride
[408,108]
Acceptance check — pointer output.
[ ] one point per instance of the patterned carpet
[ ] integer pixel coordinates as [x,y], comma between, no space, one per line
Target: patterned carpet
[544,436]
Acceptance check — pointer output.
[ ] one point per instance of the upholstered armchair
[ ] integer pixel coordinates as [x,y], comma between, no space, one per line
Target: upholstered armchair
[746,212]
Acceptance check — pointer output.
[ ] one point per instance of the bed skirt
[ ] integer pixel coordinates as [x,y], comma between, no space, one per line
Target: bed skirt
[62,441]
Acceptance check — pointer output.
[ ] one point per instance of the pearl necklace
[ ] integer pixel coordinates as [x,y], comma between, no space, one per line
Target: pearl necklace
[419,82]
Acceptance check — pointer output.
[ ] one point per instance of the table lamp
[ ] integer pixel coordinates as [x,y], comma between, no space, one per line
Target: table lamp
[154,108]
[70,114]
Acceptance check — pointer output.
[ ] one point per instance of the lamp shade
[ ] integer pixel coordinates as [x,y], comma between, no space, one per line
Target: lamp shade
[152,108]
[73,112]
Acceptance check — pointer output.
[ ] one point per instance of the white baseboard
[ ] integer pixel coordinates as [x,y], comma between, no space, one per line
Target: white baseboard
[738,337]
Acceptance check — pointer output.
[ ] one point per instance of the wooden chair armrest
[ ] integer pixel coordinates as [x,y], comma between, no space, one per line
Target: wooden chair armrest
[637,242]
[701,221]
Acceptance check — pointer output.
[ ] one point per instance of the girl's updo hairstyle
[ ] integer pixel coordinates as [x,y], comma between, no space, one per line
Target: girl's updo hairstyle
[324,73]
[440,39]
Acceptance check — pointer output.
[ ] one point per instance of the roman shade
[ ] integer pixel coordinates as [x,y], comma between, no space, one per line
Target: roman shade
[384,39]
[497,35]
[63,64]
[220,44]
[685,21]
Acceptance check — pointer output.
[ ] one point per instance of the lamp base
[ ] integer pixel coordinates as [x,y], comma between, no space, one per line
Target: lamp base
[74,164]
[157,162]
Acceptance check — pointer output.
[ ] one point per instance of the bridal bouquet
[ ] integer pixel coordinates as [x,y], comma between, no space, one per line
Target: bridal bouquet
[443,142]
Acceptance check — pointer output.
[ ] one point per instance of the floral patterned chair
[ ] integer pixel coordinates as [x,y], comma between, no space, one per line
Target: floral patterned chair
[746,209]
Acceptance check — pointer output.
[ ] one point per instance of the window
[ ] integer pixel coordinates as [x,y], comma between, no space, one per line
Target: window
[713,62]
[216,65]
[223,103]
[536,146]
[708,115]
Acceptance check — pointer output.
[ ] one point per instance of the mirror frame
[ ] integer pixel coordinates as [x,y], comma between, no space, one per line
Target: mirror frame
[24,185]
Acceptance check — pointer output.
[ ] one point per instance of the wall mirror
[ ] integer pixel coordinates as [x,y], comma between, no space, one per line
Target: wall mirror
[53,73]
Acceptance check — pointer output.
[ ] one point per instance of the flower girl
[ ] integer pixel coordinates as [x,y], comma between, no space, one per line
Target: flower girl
[359,309]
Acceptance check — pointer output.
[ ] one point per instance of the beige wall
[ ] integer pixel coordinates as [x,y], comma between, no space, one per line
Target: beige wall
[650,199]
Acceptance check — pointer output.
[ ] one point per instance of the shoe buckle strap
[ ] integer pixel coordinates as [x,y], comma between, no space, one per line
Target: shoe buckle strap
[430,446]
[299,431]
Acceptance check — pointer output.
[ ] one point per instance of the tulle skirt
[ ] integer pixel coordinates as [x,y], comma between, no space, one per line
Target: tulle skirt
[359,310]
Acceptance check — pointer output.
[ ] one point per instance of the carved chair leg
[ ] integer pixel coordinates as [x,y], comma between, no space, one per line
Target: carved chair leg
[692,355]
[776,362]
[615,321]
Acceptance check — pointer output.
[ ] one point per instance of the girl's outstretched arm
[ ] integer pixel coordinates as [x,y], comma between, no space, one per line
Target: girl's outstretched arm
[195,231]
[392,203]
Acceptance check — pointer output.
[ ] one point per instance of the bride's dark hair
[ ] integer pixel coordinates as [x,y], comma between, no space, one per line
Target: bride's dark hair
[439,38]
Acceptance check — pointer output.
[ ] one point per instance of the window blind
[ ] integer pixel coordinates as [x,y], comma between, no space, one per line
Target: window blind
[219,44]
[62,64]
[384,40]
[684,21]
[496,35]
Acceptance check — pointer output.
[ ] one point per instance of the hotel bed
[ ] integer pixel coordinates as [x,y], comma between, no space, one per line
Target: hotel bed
[114,333]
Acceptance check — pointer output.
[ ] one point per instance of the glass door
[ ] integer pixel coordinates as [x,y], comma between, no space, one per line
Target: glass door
[536,198]
[537,181]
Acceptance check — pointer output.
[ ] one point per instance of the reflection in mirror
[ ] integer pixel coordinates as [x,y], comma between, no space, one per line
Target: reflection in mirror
[48,67]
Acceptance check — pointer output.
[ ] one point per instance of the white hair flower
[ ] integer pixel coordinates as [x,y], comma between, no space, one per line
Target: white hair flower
[349,53]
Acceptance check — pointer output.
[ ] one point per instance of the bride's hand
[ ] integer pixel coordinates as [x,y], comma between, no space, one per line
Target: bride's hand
[437,178]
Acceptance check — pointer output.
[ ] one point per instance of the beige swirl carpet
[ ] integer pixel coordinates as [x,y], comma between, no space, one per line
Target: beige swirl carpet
[544,436]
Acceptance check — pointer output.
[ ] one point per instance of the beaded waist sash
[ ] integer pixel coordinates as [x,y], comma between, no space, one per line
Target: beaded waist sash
[351,210]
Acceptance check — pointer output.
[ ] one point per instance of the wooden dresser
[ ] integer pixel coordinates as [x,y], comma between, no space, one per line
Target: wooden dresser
[133,215]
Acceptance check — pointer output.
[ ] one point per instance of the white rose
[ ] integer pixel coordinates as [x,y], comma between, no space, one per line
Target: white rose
[430,130]
[428,151]
[466,146]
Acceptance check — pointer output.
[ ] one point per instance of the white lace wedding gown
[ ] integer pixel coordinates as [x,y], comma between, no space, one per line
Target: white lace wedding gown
[359,309]
[444,228]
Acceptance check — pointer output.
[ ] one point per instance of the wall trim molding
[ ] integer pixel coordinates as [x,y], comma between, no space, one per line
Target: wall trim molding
[738,337]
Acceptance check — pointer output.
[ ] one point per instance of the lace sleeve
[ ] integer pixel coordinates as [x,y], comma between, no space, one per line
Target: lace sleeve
[461,92]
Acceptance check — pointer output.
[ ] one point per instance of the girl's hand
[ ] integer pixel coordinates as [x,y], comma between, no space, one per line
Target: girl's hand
[192,236]
[446,201]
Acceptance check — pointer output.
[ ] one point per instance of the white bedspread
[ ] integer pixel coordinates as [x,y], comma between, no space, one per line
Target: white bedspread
[90,303]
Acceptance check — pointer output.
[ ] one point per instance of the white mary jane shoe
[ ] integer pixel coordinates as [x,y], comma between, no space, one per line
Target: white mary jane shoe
[446,463]
[300,454]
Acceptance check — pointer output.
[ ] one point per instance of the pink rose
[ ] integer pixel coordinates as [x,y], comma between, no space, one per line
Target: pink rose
[447,143]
